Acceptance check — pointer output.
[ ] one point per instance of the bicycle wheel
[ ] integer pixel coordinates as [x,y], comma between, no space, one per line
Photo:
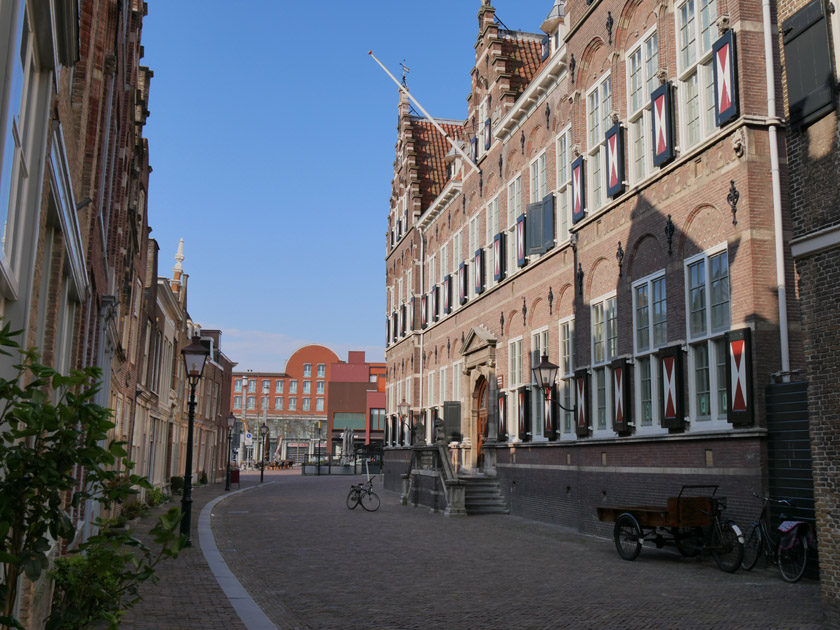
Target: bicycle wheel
[753,544]
[792,561]
[353,499]
[689,541]
[370,501]
[727,547]
[628,536]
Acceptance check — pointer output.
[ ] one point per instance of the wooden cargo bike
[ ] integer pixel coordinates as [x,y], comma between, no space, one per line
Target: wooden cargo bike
[693,524]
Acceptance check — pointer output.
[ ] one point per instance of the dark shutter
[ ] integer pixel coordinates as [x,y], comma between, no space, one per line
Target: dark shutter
[578,190]
[672,389]
[487,136]
[387,331]
[810,79]
[615,160]
[739,383]
[582,402]
[726,78]
[479,271]
[435,303]
[547,223]
[412,322]
[499,257]
[424,311]
[524,410]
[474,145]
[662,108]
[404,317]
[452,420]
[462,283]
[521,253]
[503,435]
[621,394]
[395,326]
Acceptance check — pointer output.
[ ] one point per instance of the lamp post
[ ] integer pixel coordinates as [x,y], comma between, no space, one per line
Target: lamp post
[231,420]
[195,355]
[403,408]
[545,374]
[263,430]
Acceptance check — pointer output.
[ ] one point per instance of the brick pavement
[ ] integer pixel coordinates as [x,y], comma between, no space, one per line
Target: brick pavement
[311,563]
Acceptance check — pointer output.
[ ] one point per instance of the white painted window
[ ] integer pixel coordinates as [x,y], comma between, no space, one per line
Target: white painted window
[514,209]
[642,65]
[695,89]
[708,308]
[604,349]
[564,180]
[539,346]
[649,334]
[598,109]
[474,245]
[538,185]
[514,381]
[492,228]
[566,367]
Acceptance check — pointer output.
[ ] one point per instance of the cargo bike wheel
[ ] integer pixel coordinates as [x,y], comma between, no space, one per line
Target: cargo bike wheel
[628,536]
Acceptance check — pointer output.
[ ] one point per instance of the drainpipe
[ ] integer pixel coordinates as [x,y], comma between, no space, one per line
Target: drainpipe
[777,191]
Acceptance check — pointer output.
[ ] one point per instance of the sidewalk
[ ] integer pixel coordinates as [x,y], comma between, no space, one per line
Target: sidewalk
[187,595]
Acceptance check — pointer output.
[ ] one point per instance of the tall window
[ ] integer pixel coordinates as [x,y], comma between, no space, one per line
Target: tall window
[566,370]
[444,382]
[598,109]
[707,286]
[538,186]
[278,386]
[266,386]
[539,346]
[457,259]
[252,386]
[456,381]
[492,228]
[642,64]
[514,381]
[237,385]
[514,209]
[319,388]
[264,403]
[473,246]
[319,404]
[650,334]
[292,404]
[307,387]
[322,367]
[564,179]
[604,349]
[278,403]
[695,33]
[293,387]
[306,403]
[237,402]
[252,402]
[307,369]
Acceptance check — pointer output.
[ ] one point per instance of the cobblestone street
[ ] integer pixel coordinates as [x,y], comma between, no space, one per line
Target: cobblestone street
[309,562]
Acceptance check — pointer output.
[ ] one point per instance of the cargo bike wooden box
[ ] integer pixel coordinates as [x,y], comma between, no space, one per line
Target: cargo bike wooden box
[693,524]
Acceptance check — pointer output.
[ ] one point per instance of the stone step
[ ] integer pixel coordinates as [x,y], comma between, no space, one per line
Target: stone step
[483,496]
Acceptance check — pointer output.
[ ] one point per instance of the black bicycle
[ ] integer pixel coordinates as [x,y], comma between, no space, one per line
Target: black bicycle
[363,494]
[787,549]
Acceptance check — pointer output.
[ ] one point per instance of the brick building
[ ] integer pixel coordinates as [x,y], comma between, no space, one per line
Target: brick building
[616,214]
[301,404]
[810,53]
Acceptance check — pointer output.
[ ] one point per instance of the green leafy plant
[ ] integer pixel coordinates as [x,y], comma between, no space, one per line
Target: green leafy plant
[101,580]
[177,484]
[155,497]
[50,429]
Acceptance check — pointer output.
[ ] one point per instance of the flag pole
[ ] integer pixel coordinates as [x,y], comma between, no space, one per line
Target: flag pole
[426,114]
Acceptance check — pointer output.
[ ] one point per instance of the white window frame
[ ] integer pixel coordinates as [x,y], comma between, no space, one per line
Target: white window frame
[444,376]
[597,123]
[540,345]
[538,186]
[694,63]
[456,380]
[514,209]
[563,177]
[714,342]
[514,382]
[647,353]
[565,377]
[492,228]
[474,244]
[639,120]
[601,367]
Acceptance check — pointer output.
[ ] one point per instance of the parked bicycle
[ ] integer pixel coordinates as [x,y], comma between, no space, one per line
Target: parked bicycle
[363,494]
[787,549]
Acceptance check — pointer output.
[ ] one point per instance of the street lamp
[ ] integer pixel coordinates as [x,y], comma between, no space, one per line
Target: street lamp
[403,408]
[263,430]
[544,375]
[231,420]
[195,355]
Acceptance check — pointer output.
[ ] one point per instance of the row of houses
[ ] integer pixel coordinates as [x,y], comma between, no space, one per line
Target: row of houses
[642,193]
[78,267]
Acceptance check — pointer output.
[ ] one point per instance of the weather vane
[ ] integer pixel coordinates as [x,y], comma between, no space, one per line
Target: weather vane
[405,71]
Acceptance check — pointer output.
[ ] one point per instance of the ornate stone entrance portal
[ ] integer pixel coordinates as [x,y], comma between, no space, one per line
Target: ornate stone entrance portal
[479,383]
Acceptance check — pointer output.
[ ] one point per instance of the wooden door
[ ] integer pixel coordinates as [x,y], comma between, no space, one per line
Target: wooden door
[481,402]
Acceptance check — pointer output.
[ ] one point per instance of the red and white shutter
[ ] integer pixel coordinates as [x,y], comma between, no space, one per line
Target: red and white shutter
[739,377]
[521,257]
[499,257]
[671,375]
[479,271]
[582,403]
[578,190]
[524,409]
[662,106]
[726,89]
[615,160]
[503,434]
[622,388]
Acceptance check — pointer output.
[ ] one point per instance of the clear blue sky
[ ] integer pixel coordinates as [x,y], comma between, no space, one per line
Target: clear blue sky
[272,136]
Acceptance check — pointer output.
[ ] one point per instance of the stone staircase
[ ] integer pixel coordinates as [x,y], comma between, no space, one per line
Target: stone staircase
[483,496]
